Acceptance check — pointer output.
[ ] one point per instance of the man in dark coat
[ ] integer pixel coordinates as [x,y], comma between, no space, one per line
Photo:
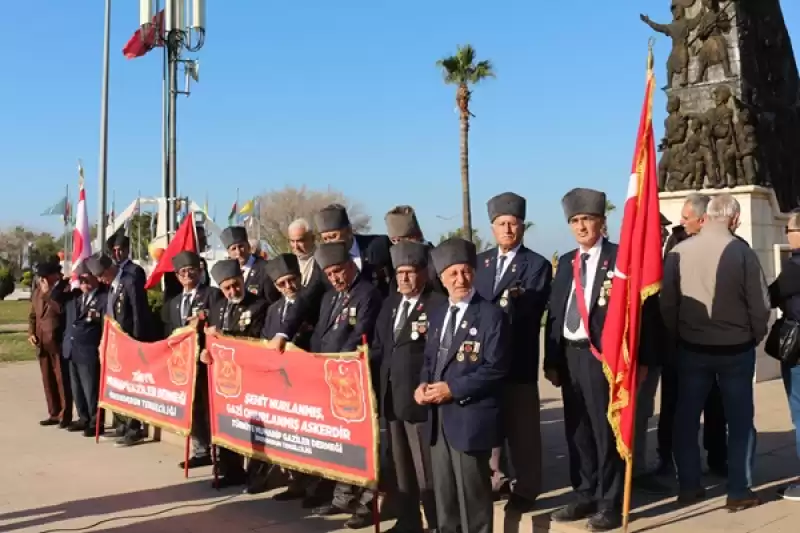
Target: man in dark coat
[240,313]
[313,283]
[398,354]
[576,315]
[370,253]
[348,313]
[127,305]
[84,309]
[256,280]
[119,246]
[466,363]
[518,281]
[45,333]
[191,307]
[402,225]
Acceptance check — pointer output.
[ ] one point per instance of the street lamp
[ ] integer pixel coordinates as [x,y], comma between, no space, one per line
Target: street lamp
[178,36]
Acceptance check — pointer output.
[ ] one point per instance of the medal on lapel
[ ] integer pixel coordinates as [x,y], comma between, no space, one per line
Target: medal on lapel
[504,299]
[352,313]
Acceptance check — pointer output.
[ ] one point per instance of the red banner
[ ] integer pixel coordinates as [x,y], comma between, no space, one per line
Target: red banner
[309,412]
[149,381]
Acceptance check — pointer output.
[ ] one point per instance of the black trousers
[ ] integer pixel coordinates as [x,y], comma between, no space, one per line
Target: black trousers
[85,378]
[596,469]
[715,433]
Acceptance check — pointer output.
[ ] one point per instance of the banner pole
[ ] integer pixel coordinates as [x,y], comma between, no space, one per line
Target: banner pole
[376,509]
[186,457]
[212,421]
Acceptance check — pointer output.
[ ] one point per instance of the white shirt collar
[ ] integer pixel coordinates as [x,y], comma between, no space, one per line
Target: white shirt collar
[594,250]
[355,251]
[463,304]
[509,254]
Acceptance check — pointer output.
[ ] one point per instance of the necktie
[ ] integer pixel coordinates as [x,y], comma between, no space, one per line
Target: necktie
[573,319]
[186,306]
[226,320]
[446,342]
[112,296]
[401,321]
[498,275]
[335,308]
[286,306]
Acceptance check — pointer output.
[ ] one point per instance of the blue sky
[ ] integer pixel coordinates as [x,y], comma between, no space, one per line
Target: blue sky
[340,93]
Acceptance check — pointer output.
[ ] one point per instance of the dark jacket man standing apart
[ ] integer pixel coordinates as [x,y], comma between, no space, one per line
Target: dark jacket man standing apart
[348,313]
[576,314]
[518,281]
[119,246]
[45,333]
[398,353]
[466,362]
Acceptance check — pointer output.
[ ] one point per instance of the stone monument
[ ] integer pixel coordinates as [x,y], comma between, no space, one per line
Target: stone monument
[733,123]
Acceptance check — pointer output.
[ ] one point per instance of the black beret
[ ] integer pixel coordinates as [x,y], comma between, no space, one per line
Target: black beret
[331,253]
[506,203]
[407,253]
[584,202]
[664,220]
[233,235]
[185,259]
[118,239]
[98,264]
[283,265]
[454,251]
[402,222]
[331,218]
[225,270]
[81,269]
[47,268]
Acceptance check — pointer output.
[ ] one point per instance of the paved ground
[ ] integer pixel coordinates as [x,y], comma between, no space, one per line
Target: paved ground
[54,481]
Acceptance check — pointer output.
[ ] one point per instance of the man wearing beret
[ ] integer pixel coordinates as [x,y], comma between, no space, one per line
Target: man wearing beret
[191,307]
[239,314]
[370,253]
[576,314]
[518,281]
[398,354]
[402,225]
[466,362]
[84,308]
[349,311]
[256,280]
[127,305]
[45,333]
[119,246]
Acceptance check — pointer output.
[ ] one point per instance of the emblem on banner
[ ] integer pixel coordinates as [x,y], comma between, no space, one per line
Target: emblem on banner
[227,374]
[344,379]
[178,363]
[112,360]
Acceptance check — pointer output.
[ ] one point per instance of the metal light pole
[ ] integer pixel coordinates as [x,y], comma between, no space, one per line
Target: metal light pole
[103,166]
[177,36]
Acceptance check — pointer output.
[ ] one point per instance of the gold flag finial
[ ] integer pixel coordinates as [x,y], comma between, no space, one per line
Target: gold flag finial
[650,42]
[80,172]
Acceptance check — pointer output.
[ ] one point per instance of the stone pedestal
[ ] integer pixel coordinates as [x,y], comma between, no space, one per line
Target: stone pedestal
[762,225]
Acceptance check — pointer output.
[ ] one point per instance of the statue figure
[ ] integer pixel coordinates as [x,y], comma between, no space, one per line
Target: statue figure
[700,161]
[720,122]
[714,47]
[675,126]
[678,30]
[747,148]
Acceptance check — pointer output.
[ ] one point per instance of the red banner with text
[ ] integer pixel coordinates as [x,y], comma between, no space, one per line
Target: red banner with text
[149,381]
[309,412]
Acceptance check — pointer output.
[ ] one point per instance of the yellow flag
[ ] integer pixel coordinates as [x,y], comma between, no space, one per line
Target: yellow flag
[247,208]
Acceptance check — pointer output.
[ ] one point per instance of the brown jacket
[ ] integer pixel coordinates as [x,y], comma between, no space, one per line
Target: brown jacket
[46,321]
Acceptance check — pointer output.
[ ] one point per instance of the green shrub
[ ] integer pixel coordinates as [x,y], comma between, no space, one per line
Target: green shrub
[27,278]
[155,301]
[6,282]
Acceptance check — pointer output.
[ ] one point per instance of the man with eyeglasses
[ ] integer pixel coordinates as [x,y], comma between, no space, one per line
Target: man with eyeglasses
[191,307]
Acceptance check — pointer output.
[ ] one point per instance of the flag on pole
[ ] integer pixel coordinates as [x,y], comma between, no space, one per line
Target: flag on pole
[637,276]
[232,215]
[59,208]
[81,238]
[247,208]
[140,43]
[184,240]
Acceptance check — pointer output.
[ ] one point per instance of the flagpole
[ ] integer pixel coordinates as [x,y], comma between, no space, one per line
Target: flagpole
[103,166]
[236,216]
[139,224]
[66,225]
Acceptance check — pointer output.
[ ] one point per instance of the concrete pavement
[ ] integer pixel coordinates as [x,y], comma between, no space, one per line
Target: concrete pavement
[53,481]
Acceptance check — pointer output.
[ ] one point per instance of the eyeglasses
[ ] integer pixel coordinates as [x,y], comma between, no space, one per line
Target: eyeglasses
[284,283]
[789,230]
[187,271]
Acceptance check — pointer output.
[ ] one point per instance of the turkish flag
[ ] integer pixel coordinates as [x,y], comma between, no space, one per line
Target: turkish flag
[140,44]
[637,277]
[184,241]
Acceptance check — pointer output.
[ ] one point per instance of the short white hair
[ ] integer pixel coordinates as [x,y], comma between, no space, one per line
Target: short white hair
[698,203]
[723,207]
[300,223]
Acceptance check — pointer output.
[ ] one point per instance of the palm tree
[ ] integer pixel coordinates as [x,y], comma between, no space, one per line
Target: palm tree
[462,70]
[609,208]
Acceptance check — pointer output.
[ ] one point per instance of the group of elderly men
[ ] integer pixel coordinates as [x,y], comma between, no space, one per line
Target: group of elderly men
[454,347]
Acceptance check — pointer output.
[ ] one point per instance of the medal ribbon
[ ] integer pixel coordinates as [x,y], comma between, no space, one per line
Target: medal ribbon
[582,309]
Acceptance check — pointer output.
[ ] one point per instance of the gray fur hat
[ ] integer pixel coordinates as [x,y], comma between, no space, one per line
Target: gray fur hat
[584,202]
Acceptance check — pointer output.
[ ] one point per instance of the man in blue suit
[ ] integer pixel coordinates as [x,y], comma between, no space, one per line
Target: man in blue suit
[466,362]
[84,310]
[518,281]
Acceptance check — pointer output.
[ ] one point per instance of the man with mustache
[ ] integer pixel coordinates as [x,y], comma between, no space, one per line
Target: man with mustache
[119,246]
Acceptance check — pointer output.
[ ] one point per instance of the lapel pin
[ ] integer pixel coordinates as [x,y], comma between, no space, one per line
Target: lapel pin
[473,331]
[513,268]
[464,324]
[414,335]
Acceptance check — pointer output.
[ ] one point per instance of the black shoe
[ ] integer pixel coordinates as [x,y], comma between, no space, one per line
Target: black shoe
[228,481]
[196,462]
[49,422]
[89,432]
[289,495]
[519,504]
[648,484]
[115,433]
[77,426]
[131,439]
[65,424]
[328,509]
[604,521]
[734,505]
[311,502]
[357,521]
[690,497]
[574,512]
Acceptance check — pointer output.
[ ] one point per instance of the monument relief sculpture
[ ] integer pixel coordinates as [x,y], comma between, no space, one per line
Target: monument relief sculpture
[713,24]
[678,30]
[675,127]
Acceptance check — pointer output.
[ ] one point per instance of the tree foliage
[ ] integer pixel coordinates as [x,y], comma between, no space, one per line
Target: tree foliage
[17,241]
[279,208]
